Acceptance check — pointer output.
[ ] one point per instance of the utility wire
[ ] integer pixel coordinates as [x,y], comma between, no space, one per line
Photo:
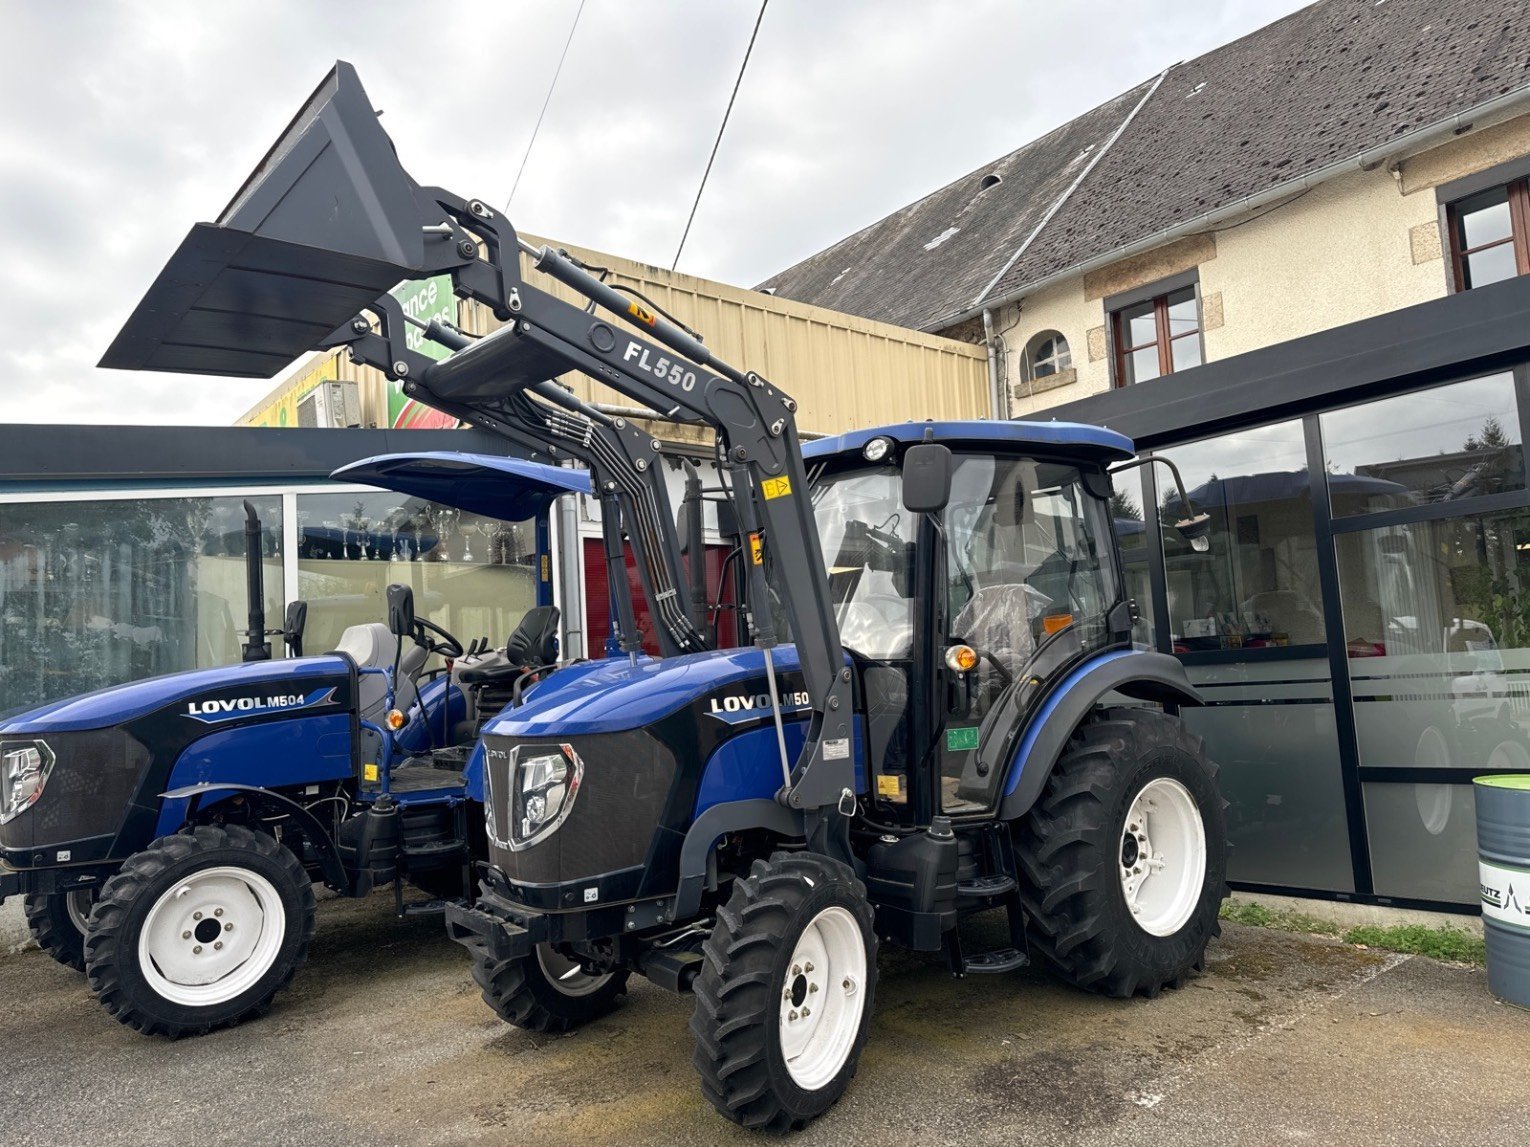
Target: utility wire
[550,89]
[722,128]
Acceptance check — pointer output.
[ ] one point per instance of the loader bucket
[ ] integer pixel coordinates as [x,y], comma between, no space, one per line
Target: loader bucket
[328,221]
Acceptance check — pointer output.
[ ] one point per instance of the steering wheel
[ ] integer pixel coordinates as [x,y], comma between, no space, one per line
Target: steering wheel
[448,646]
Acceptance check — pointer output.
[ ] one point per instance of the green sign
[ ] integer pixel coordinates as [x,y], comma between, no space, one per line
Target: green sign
[959,740]
[423,300]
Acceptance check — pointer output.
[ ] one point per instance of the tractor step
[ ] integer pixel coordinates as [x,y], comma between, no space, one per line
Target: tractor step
[427,907]
[994,963]
[435,850]
[985,887]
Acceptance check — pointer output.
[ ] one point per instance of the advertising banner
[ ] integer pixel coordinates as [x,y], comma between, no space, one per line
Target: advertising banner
[424,300]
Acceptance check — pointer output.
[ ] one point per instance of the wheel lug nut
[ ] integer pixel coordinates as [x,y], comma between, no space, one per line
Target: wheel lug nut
[217,912]
[807,967]
[196,915]
[185,935]
[791,1015]
[217,945]
[228,926]
[796,970]
[812,988]
[197,951]
[806,1012]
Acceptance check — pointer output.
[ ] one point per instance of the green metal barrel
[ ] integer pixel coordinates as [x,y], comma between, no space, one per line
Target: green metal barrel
[1503,864]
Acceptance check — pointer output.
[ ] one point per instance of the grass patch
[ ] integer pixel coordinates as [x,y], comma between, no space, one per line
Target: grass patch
[1444,943]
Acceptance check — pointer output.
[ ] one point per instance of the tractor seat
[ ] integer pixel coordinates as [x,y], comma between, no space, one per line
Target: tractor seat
[374,646]
[535,640]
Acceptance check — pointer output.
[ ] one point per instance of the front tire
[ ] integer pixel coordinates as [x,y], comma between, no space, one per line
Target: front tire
[1124,856]
[546,991]
[58,923]
[199,931]
[784,998]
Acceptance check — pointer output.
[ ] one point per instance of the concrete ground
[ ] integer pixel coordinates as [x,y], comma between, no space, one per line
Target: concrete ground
[382,1039]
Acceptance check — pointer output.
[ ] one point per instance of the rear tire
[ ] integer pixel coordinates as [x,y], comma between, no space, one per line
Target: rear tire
[199,931]
[784,998]
[1124,856]
[58,923]
[545,991]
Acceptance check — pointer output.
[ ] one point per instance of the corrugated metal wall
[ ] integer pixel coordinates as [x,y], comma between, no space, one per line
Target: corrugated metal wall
[844,371]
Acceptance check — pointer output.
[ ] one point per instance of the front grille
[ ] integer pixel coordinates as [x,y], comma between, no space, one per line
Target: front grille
[95,777]
[627,782]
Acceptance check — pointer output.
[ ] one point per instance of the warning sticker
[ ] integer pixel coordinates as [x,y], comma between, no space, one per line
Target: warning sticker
[889,786]
[642,314]
[756,550]
[369,772]
[776,487]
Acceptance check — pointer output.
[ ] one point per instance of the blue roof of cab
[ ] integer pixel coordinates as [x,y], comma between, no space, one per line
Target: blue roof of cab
[1092,442]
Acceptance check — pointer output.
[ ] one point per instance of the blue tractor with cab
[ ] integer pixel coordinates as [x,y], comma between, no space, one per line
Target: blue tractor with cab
[940,712]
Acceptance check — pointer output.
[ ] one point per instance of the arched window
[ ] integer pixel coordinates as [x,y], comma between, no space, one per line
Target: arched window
[1046,354]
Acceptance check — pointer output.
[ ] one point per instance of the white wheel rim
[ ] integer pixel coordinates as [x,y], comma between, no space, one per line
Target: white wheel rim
[566,975]
[1162,857]
[1508,757]
[212,936]
[77,904]
[823,998]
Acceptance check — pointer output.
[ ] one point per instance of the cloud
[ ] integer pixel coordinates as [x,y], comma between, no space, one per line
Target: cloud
[131,121]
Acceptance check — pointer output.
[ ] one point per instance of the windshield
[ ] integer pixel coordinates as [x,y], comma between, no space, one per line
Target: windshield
[868,543]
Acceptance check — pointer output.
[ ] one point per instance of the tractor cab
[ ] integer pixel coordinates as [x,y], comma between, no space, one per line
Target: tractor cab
[1014,578]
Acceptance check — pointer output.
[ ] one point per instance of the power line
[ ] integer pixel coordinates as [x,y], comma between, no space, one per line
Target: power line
[550,89]
[722,128]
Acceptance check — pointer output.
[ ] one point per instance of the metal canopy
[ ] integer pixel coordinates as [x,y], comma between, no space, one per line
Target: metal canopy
[328,221]
[496,487]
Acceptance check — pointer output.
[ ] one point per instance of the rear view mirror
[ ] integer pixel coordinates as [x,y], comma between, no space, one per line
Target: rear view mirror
[926,478]
[1197,531]
[297,621]
[401,610]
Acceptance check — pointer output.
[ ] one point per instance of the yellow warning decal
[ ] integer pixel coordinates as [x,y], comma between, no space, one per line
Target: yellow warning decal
[369,772]
[642,314]
[756,550]
[776,487]
[547,567]
[889,786]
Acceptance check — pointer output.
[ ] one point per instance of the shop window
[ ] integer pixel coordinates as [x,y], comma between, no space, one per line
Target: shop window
[1437,625]
[1256,586]
[95,593]
[1157,336]
[473,576]
[1445,444]
[1490,235]
[1045,355]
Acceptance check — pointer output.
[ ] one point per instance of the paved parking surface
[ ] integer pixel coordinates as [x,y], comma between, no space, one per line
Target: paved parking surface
[383,1040]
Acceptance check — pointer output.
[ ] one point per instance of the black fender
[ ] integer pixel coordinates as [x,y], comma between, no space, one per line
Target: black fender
[1141,674]
[730,816]
[330,864]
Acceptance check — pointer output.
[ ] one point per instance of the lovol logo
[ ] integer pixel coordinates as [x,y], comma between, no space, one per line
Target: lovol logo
[739,707]
[227,708]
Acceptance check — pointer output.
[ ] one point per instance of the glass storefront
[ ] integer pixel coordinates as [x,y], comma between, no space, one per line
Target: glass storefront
[1360,629]
[99,591]
[473,576]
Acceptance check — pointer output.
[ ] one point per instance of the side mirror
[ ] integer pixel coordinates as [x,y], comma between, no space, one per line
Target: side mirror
[1197,531]
[926,478]
[297,621]
[401,610]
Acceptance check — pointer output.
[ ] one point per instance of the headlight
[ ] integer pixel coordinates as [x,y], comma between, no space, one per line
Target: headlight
[24,769]
[543,785]
[876,449]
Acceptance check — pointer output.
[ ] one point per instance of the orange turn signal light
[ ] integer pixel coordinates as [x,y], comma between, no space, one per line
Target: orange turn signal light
[1056,623]
[962,658]
[395,719]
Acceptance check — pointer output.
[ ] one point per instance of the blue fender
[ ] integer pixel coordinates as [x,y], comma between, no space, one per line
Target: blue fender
[1140,674]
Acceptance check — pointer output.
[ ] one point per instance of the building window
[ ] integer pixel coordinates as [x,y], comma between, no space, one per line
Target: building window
[1157,336]
[1490,235]
[1046,354]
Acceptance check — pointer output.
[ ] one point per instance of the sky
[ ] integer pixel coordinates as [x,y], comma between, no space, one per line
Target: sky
[124,123]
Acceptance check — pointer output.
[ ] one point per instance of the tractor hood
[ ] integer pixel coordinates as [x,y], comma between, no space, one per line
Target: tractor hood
[508,488]
[253,689]
[615,694]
